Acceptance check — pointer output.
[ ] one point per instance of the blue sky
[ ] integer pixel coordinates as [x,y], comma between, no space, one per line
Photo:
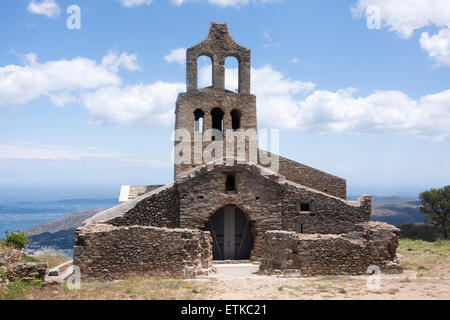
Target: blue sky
[364,99]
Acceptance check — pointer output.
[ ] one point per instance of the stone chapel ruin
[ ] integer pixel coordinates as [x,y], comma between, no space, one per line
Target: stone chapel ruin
[232,206]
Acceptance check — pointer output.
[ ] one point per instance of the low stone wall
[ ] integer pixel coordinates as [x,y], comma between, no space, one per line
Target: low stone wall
[332,254]
[29,271]
[107,252]
[12,267]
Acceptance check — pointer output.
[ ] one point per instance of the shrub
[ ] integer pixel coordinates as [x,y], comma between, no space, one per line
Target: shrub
[16,239]
[419,231]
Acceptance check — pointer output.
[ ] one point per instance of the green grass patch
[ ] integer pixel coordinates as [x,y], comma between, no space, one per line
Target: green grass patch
[19,289]
[439,247]
[421,268]
[393,291]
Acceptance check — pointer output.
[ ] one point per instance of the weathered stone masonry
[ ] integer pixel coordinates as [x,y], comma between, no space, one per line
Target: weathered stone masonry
[269,201]
[295,218]
[107,252]
[369,244]
[161,209]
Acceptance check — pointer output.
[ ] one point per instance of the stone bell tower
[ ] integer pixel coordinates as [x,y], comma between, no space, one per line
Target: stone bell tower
[211,113]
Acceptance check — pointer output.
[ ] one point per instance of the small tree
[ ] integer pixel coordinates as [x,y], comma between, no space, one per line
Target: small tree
[435,204]
[16,239]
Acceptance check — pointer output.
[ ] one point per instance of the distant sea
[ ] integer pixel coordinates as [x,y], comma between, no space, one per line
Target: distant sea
[25,206]
[22,207]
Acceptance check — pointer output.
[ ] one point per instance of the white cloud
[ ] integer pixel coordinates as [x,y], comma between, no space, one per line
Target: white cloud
[63,98]
[220,3]
[291,104]
[380,112]
[47,8]
[134,105]
[30,151]
[265,81]
[437,46]
[59,79]
[176,55]
[225,3]
[405,16]
[282,102]
[270,43]
[134,3]
[113,61]
[178,2]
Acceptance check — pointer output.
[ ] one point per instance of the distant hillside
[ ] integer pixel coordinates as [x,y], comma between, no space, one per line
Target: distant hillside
[72,221]
[59,234]
[396,210]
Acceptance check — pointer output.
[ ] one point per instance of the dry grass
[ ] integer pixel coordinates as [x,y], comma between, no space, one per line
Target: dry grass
[137,288]
[427,266]
[424,257]
[53,259]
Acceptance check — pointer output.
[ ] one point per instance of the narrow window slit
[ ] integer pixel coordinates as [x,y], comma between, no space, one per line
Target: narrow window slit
[199,116]
[231,183]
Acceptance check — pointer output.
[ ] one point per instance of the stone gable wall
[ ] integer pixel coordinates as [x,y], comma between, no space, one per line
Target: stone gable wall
[327,215]
[106,252]
[370,244]
[159,210]
[310,177]
[269,204]
[256,196]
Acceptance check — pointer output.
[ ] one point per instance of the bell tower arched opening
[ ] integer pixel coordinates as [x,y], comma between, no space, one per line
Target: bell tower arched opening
[235,119]
[217,123]
[231,74]
[199,120]
[205,71]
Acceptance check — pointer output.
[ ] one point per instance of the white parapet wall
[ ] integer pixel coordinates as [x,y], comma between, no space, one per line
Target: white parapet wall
[124,194]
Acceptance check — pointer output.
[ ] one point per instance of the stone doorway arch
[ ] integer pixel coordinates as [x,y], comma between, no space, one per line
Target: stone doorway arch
[231,233]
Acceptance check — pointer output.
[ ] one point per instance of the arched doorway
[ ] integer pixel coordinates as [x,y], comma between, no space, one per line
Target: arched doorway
[231,234]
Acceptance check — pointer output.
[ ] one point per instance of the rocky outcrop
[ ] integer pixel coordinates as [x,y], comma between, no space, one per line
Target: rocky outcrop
[370,244]
[29,271]
[12,267]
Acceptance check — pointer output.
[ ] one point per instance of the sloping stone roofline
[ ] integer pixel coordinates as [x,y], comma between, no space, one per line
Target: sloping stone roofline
[123,208]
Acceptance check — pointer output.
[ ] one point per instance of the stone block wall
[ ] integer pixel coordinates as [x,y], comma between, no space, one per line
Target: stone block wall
[310,177]
[107,252]
[207,100]
[218,45]
[159,210]
[258,197]
[328,214]
[268,203]
[316,254]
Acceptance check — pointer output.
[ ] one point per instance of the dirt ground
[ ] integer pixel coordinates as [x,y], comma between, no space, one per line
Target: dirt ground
[426,276]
